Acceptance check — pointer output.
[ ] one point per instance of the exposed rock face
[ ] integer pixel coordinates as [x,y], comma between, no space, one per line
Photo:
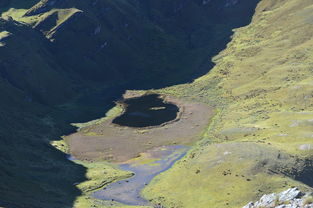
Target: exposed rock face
[291,198]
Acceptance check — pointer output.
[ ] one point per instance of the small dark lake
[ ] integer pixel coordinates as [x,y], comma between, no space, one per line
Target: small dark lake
[148,110]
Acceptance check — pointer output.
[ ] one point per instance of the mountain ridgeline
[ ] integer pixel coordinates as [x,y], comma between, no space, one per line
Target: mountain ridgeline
[54,56]
[80,43]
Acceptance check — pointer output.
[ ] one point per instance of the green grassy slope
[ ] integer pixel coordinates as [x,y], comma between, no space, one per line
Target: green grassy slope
[261,139]
[57,61]
[259,142]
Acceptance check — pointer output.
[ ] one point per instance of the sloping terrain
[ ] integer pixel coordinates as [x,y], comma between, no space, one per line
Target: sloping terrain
[66,61]
[127,40]
[262,84]
[32,173]
[28,66]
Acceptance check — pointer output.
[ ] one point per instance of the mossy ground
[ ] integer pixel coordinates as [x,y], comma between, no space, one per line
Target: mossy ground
[102,139]
[262,86]
[98,175]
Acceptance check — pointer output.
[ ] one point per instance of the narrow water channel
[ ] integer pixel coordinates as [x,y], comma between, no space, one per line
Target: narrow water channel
[153,162]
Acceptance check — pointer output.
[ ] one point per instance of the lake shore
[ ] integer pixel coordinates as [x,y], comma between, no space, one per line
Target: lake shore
[110,142]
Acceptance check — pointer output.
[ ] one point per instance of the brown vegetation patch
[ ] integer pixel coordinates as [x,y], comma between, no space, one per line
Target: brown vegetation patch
[107,141]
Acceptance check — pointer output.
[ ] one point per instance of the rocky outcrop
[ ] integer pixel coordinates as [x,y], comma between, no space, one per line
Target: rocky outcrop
[291,198]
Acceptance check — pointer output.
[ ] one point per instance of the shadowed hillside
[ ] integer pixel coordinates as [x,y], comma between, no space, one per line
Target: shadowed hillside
[66,61]
[156,43]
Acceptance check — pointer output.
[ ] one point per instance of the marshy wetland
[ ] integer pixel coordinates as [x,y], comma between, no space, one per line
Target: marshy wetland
[108,141]
[145,135]
[145,168]
[67,61]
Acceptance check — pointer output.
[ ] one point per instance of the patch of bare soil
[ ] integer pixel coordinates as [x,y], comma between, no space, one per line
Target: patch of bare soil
[111,142]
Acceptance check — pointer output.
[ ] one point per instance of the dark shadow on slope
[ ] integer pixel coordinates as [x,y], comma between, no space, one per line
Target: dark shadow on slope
[304,173]
[143,44]
[202,40]
[17,4]
[33,174]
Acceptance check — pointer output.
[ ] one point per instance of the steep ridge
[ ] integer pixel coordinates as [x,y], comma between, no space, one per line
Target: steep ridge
[32,174]
[27,65]
[124,40]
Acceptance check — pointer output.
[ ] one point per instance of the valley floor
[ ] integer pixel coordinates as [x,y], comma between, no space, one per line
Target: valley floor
[103,140]
[260,140]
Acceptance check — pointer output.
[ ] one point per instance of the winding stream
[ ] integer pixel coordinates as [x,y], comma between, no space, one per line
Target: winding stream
[152,110]
[145,168]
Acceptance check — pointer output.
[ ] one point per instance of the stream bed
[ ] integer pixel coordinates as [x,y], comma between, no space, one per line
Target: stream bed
[145,168]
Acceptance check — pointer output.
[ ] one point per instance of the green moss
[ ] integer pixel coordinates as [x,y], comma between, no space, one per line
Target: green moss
[60,145]
[98,175]
[261,86]
[262,90]
[228,174]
